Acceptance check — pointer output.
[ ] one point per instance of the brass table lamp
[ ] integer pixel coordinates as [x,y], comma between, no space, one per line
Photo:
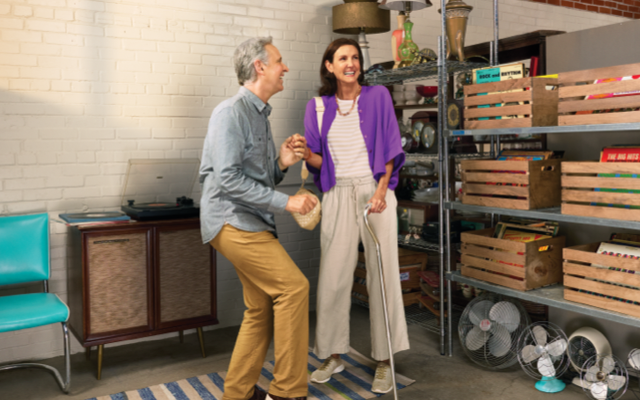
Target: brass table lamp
[359,17]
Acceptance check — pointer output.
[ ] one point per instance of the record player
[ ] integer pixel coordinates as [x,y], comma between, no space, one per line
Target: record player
[159,189]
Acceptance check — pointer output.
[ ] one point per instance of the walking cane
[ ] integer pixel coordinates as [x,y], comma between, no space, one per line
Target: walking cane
[367,209]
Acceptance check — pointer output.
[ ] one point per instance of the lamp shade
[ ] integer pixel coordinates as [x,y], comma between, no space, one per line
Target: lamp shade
[354,17]
[401,5]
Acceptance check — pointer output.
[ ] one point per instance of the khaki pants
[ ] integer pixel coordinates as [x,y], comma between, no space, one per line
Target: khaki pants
[276,294]
[342,228]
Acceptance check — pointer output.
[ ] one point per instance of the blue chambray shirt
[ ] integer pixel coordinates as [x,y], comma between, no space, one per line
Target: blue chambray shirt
[239,168]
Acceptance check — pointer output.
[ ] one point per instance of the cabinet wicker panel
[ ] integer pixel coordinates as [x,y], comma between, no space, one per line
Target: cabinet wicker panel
[118,282]
[184,275]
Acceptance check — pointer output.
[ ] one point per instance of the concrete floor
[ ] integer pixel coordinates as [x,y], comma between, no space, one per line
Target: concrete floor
[140,365]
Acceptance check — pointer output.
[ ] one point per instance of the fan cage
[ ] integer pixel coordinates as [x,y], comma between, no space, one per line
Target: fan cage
[483,355]
[580,350]
[619,369]
[527,338]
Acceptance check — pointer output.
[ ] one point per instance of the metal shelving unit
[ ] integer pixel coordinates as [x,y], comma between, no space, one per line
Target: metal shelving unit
[552,296]
[550,214]
[604,128]
[417,72]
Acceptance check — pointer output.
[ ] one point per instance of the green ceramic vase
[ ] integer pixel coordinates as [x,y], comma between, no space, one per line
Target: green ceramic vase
[408,50]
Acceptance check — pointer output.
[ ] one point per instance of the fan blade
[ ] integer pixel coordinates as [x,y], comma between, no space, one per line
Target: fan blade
[557,348]
[500,341]
[506,314]
[476,338]
[634,359]
[545,366]
[540,335]
[529,354]
[480,311]
[607,364]
[591,375]
[616,382]
[599,390]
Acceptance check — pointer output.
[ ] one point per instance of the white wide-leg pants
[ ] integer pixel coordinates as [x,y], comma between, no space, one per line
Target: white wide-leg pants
[341,230]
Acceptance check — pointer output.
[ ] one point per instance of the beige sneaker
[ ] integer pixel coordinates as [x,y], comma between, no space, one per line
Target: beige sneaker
[383,382]
[329,367]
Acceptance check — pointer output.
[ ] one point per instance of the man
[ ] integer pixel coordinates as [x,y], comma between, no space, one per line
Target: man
[239,171]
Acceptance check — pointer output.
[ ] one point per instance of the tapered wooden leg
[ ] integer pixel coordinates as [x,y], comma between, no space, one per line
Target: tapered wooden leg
[100,349]
[204,355]
[181,335]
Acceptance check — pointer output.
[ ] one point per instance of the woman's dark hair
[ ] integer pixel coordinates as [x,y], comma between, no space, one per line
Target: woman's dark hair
[329,82]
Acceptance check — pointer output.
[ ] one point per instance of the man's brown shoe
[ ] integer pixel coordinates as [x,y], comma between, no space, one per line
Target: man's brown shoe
[258,394]
[274,397]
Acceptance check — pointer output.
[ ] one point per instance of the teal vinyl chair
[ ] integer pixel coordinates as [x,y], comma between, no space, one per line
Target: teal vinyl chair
[24,257]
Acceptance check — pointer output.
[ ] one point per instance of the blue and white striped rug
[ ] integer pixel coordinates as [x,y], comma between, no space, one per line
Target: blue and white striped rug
[354,383]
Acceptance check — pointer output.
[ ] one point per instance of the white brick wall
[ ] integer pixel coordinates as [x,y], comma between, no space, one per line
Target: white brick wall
[87,85]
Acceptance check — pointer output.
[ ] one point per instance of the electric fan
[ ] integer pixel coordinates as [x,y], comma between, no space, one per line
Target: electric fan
[634,362]
[489,329]
[585,343]
[543,355]
[604,377]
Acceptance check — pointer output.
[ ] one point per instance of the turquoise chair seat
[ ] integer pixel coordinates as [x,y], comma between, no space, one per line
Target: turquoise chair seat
[31,310]
[25,258]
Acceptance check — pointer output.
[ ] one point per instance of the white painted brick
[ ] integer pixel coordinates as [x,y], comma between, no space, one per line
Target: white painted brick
[228,9]
[5,9]
[22,11]
[167,133]
[173,47]
[63,15]
[86,5]
[122,32]
[21,184]
[19,59]
[21,36]
[63,38]
[47,26]
[26,159]
[276,4]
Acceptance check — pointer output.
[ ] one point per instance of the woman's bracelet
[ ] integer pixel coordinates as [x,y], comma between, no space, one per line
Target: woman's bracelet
[305,157]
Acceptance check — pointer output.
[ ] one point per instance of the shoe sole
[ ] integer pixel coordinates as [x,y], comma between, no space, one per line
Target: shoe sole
[335,371]
[381,392]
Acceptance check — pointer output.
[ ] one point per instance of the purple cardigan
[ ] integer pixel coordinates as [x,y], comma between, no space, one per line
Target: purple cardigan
[379,128]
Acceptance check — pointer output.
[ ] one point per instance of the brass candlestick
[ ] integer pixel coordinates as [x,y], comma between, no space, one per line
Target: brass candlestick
[456,15]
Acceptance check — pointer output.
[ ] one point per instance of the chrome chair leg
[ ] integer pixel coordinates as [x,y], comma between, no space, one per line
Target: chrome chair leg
[64,384]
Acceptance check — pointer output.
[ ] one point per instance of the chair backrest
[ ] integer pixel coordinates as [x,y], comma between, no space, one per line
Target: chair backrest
[24,248]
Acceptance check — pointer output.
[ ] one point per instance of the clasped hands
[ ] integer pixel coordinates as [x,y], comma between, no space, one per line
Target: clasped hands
[291,151]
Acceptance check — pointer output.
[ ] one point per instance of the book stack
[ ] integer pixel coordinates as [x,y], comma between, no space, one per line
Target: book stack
[619,153]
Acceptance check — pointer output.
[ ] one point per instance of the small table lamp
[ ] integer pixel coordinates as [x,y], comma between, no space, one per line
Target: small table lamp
[359,17]
[406,6]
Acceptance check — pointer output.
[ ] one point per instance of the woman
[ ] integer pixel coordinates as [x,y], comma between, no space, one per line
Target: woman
[355,160]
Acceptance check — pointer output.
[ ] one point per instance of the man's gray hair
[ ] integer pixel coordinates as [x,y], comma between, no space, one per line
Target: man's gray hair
[246,54]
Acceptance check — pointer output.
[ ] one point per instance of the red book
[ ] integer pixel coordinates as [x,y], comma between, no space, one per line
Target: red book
[620,154]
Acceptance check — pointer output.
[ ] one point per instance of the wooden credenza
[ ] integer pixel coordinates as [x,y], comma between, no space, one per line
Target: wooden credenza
[128,281]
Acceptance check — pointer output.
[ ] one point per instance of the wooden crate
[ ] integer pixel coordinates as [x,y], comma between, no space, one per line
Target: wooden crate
[520,185]
[536,106]
[573,109]
[580,197]
[600,287]
[491,260]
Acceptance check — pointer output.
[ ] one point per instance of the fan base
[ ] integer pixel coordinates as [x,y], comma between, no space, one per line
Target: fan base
[550,385]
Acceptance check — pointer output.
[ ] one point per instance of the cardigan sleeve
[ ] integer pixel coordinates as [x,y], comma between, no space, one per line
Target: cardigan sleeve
[390,134]
[314,141]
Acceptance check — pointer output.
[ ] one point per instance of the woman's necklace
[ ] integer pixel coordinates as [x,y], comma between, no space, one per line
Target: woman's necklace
[352,106]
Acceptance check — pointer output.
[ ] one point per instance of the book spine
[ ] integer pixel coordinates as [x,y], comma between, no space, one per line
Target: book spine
[631,154]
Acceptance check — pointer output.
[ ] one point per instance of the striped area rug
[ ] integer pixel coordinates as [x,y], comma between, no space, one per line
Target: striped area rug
[354,383]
